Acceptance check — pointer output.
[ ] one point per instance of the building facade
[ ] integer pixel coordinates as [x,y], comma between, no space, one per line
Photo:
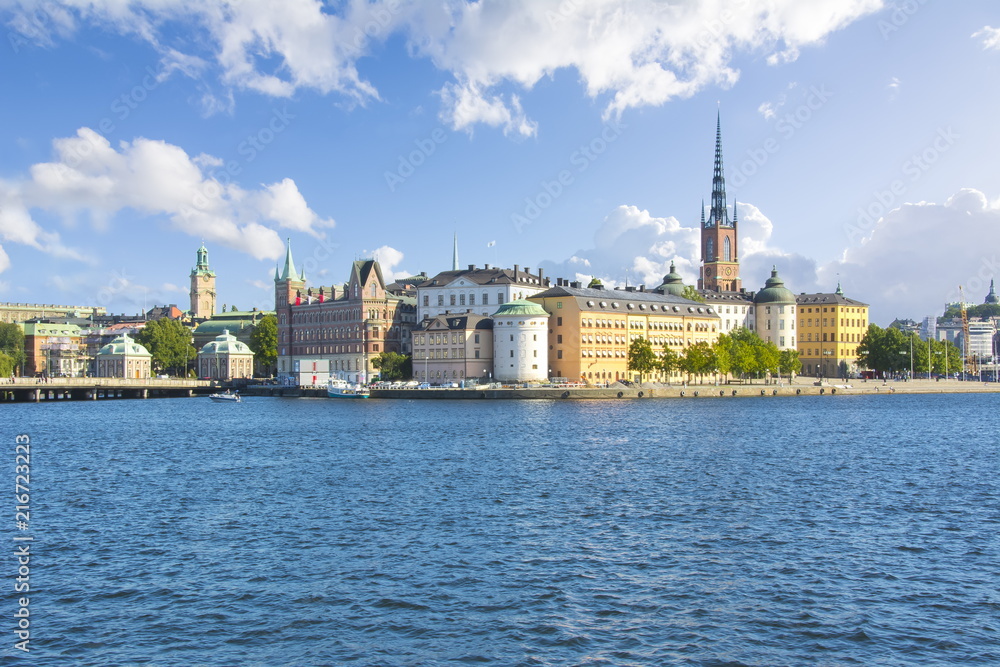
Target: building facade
[349,325]
[454,347]
[590,330]
[54,350]
[123,358]
[831,327]
[476,290]
[521,342]
[16,313]
[225,358]
[202,287]
[775,308]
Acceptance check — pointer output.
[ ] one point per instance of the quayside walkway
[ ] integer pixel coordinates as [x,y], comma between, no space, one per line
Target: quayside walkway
[92,389]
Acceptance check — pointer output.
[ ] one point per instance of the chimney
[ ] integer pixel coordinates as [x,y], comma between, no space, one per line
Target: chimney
[516,269]
[575,284]
[642,288]
[472,267]
[541,276]
[486,267]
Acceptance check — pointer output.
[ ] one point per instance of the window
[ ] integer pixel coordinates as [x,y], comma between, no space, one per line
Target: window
[559,321]
[512,338]
[710,250]
[727,250]
[461,299]
[477,354]
[558,354]
[559,338]
[452,299]
[440,299]
[535,353]
[472,299]
[534,337]
[477,338]
[499,298]
[558,304]
[486,298]
[781,325]
[512,353]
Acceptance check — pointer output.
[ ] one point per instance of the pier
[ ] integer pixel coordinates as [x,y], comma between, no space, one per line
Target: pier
[32,390]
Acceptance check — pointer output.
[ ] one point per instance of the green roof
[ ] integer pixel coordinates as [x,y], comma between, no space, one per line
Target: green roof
[520,307]
[226,343]
[774,291]
[123,345]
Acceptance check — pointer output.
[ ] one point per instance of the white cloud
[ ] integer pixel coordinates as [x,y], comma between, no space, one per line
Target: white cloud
[389,260]
[918,255]
[627,53]
[632,243]
[90,177]
[990,38]
[893,87]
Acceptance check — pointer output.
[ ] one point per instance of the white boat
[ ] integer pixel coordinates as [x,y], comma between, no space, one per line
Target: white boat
[226,397]
[343,389]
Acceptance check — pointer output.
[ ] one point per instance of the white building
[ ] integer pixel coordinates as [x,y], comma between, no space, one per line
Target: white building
[123,358]
[520,342]
[477,291]
[225,358]
[775,311]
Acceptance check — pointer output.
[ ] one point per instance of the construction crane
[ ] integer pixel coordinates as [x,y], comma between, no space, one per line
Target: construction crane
[968,361]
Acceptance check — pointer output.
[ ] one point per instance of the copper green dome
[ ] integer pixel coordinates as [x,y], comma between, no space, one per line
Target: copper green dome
[123,345]
[775,291]
[520,308]
[672,283]
[226,344]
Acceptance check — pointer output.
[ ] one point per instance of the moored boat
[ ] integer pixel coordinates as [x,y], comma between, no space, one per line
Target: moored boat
[343,389]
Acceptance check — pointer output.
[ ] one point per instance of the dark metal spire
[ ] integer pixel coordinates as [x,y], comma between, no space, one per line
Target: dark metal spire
[719,214]
[702,212]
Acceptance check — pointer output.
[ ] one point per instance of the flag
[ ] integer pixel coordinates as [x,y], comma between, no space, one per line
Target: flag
[491,244]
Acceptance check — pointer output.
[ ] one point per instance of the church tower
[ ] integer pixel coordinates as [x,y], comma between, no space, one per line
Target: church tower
[289,285]
[720,265]
[202,287]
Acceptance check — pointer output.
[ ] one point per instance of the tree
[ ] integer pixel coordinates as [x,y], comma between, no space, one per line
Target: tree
[232,308]
[264,343]
[12,345]
[723,354]
[6,365]
[691,294]
[789,362]
[393,366]
[699,359]
[641,358]
[768,357]
[669,362]
[169,343]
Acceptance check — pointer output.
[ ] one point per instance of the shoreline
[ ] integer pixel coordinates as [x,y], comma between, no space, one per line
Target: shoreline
[802,387]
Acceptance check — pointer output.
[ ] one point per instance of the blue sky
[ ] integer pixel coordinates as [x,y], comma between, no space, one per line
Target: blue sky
[859,136]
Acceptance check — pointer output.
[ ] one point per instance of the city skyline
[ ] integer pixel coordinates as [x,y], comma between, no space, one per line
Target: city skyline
[383,130]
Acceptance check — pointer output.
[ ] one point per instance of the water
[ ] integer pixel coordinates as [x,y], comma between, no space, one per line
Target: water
[831,531]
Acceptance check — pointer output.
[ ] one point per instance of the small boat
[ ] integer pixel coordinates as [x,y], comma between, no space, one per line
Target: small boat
[343,389]
[226,397]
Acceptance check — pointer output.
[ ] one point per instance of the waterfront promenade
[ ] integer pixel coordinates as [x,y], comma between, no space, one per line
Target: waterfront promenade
[802,386]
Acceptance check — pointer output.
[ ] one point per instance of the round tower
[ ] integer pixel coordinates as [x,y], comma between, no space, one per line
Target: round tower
[521,342]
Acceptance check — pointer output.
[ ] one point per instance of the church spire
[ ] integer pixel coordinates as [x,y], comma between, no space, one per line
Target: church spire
[702,212]
[289,272]
[454,255]
[719,216]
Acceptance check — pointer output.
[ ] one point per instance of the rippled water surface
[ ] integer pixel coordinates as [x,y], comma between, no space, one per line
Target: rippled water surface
[757,531]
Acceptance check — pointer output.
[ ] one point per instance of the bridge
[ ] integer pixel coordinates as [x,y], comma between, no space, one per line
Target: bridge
[35,390]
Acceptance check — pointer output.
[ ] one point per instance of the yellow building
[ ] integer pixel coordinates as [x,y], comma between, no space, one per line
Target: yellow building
[590,330]
[830,328]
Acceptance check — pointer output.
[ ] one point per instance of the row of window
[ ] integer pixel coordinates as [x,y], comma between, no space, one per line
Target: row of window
[832,321]
[831,338]
[810,352]
[442,338]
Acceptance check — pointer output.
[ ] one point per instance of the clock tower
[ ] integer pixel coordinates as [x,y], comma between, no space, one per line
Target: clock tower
[720,265]
[202,287]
